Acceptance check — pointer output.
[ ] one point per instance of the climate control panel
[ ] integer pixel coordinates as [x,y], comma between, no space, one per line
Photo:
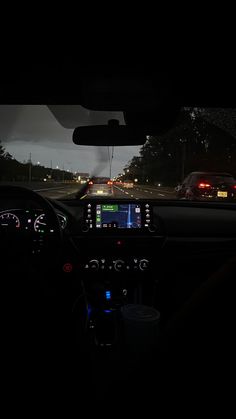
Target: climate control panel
[117,264]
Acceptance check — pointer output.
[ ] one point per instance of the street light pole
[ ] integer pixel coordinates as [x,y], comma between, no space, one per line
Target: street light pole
[110,171]
[30,168]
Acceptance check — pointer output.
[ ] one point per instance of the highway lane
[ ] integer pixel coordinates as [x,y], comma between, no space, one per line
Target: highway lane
[143,192]
[139,192]
[54,190]
[70,191]
[61,192]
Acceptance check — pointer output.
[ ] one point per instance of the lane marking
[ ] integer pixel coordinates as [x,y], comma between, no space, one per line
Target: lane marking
[160,194]
[160,189]
[83,196]
[120,189]
[50,189]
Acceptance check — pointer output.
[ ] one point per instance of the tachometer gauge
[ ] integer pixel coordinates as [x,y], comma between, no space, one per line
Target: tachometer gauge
[40,224]
[9,220]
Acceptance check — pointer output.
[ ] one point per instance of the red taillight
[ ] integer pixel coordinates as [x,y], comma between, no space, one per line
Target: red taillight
[234,187]
[109,182]
[90,183]
[203,185]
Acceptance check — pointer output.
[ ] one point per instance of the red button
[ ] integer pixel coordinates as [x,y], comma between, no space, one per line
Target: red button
[67,267]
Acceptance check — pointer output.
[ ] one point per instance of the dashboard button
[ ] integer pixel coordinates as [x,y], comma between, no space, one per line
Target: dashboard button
[67,267]
[119,265]
[143,264]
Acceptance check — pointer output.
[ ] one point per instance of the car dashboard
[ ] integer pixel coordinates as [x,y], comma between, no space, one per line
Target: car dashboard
[167,258]
[132,235]
[174,244]
[111,257]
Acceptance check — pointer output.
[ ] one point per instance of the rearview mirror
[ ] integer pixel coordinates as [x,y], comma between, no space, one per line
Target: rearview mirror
[112,134]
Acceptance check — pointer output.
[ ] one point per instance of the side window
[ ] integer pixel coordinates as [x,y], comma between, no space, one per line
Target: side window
[192,179]
[186,180]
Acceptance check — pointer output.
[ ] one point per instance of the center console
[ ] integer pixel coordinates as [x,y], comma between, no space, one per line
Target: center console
[118,218]
[117,245]
[117,236]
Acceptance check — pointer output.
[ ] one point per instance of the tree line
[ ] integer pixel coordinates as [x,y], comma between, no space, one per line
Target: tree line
[13,170]
[201,140]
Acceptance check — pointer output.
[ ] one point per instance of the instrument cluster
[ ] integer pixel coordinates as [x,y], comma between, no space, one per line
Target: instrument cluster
[31,220]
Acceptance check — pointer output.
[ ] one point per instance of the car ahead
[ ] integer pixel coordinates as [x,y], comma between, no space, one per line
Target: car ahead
[128,184]
[215,186]
[100,186]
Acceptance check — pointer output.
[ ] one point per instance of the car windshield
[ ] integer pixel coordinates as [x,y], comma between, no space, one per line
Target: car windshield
[37,151]
[216,178]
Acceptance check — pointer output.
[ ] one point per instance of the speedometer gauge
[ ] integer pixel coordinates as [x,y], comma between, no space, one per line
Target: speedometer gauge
[40,224]
[9,220]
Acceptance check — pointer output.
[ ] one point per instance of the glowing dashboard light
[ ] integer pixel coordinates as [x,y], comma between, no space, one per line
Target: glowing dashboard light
[67,267]
[108,295]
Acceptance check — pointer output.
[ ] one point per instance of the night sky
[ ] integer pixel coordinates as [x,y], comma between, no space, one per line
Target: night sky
[26,129]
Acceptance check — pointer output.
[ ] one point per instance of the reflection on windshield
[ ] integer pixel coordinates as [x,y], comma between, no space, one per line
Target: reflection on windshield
[195,160]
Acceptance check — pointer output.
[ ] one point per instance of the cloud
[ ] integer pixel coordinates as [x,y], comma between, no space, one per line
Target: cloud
[33,129]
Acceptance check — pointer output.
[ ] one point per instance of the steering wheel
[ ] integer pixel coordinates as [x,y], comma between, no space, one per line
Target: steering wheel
[16,249]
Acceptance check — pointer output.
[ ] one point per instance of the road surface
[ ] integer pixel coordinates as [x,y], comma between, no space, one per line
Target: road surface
[54,190]
[140,192]
[70,191]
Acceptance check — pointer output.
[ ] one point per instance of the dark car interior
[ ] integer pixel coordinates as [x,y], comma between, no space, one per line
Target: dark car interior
[139,317]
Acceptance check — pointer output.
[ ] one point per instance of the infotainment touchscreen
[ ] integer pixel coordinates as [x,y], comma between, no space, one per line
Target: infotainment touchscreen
[118,216]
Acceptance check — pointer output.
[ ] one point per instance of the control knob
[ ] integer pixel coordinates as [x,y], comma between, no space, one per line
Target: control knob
[119,265]
[93,265]
[143,264]
[85,227]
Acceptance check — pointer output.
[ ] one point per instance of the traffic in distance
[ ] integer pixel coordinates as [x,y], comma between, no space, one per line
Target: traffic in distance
[197,186]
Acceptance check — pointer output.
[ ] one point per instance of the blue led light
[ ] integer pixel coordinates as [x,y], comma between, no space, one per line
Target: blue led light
[89,308]
[107,311]
[108,295]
